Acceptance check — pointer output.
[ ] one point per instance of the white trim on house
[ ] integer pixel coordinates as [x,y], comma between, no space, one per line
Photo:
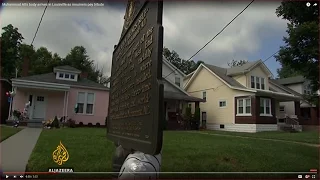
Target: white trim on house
[249,128]
[227,84]
[222,100]
[86,102]
[265,100]
[172,67]
[67,71]
[244,107]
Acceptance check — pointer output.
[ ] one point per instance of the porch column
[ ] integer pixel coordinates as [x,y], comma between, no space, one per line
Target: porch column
[314,116]
[67,104]
[297,109]
[64,103]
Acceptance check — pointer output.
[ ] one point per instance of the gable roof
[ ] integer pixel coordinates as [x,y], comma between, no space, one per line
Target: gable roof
[175,86]
[221,74]
[291,80]
[51,78]
[247,67]
[66,68]
[284,88]
[171,66]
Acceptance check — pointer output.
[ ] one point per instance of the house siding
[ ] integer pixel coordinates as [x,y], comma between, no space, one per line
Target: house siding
[215,114]
[256,118]
[100,109]
[166,70]
[258,72]
[242,79]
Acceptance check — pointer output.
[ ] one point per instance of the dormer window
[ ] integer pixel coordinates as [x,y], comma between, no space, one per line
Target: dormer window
[66,76]
[257,82]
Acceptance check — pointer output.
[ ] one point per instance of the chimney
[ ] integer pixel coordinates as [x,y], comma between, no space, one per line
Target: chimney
[84,75]
[25,67]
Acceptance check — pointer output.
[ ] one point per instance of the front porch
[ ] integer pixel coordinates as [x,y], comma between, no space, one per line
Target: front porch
[45,103]
[175,105]
[263,108]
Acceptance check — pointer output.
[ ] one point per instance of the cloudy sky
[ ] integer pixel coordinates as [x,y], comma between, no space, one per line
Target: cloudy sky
[188,25]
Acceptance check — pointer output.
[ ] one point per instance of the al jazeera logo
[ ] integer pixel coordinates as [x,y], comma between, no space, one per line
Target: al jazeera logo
[60,156]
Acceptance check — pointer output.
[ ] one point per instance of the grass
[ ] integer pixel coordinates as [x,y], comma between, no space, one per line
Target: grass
[90,151]
[7,131]
[311,137]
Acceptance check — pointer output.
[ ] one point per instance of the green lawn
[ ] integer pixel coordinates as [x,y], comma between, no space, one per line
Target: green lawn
[182,151]
[304,136]
[7,131]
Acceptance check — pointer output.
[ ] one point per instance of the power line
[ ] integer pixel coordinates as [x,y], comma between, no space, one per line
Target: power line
[215,35]
[35,34]
[234,79]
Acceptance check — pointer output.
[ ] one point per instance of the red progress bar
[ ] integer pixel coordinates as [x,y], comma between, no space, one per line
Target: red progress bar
[30,172]
[313,170]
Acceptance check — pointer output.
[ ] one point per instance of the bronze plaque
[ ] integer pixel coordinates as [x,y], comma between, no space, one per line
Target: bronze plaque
[136,113]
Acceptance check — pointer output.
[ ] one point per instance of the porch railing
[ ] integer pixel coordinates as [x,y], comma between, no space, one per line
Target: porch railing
[293,122]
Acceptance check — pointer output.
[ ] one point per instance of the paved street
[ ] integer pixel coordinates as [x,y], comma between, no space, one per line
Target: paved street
[16,150]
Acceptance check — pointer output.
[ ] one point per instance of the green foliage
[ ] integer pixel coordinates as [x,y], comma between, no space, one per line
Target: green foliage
[197,115]
[286,71]
[55,123]
[71,123]
[301,50]
[10,41]
[181,64]
[13,52]
[188,114]
[235,63]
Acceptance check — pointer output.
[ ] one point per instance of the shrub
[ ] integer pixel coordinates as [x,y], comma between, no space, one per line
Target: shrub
[80,124]
[98,124]
[16,114]
[55,123]
[71,123]
[90,124]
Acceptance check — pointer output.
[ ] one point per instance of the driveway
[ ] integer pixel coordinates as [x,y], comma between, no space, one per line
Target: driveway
[16,150]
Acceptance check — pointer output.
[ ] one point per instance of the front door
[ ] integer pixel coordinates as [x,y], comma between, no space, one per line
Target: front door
[204,119]
[39,107]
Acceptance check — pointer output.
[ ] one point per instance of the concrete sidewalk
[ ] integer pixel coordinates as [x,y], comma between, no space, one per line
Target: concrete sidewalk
[16,150]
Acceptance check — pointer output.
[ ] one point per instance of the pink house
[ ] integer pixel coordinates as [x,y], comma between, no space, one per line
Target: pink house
[57,93]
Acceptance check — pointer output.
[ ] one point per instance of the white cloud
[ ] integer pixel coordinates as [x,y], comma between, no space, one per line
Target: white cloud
[187,26]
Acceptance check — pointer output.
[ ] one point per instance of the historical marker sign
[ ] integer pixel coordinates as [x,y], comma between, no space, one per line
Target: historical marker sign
[136,113]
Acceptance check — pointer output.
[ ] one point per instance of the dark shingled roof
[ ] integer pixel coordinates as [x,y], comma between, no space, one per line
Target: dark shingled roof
[241,69]
[222,73]
[291,80]
[181,96]
[51,78]
[67,68]
[285,88]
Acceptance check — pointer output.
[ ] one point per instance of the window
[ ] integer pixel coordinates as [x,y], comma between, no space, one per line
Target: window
[204,95]
[281,109]
[257,82]
[85,102]
[90,100]
[72,76]
[252,82]
[222,103]
[61,75]
[262,83]
[265,106]
[177,81]
[244,106]
[66,76]
[81,101]
[307,90]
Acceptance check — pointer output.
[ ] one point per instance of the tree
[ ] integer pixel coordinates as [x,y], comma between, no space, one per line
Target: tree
[11,41]
[286,71]
[301,50]
[235,63]
[181,64]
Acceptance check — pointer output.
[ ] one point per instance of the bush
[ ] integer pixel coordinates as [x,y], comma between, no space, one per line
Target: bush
[71,123]
[98,124]
[55,123]
[80,124]
[90,124]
